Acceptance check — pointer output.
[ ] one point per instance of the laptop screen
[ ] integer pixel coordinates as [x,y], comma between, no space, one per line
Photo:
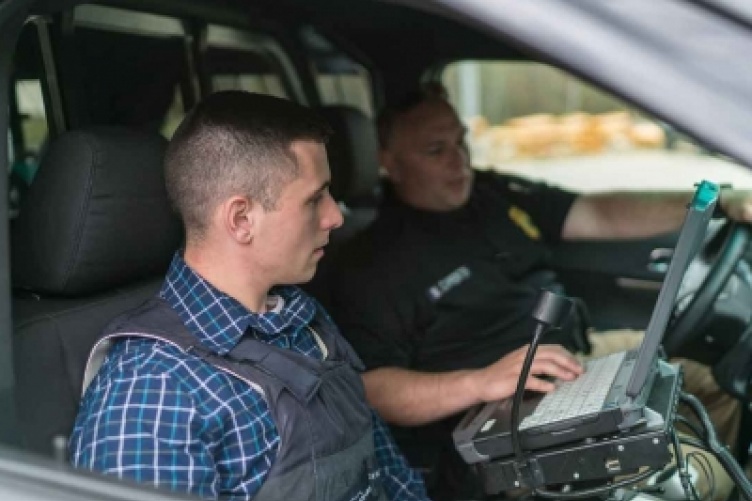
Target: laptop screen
[691,237]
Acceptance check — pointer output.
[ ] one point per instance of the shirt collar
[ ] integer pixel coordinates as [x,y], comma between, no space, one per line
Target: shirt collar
[220,321]
[395,210]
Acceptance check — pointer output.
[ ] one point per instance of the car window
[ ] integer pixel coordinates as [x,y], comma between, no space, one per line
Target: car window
[539,122]
[235,59]
[31,136]
[28,133]
[340,79]
[348,85]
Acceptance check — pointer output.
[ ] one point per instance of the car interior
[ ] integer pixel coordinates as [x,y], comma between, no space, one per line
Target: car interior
[94,90]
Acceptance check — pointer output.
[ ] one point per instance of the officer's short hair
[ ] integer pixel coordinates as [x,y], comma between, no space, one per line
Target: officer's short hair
[427,92]
[235,143]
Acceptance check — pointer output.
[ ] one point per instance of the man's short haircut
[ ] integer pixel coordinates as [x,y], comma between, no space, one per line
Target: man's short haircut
[427,92]
[235,143]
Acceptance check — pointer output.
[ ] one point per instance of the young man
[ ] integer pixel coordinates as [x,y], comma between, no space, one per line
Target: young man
[232,383]
[442,285]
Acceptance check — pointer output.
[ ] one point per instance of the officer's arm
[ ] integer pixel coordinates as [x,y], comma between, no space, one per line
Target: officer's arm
[412,398]
[624,215]
[635,215]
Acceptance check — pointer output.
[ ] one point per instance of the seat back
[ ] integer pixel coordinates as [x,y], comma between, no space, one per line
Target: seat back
[354,164]
[93,238]
[353,159]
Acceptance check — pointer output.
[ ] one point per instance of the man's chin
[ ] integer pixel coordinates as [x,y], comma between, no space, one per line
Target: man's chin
[458,197]
[306,275]
[298,278]
[457,201]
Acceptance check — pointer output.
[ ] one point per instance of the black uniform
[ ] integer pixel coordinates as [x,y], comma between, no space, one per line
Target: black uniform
[454,290]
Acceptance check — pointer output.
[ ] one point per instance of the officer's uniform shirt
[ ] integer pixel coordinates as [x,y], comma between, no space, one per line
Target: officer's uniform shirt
[451,290]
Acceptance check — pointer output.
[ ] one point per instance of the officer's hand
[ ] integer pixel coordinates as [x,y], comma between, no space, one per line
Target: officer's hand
[499,380]
[737,205]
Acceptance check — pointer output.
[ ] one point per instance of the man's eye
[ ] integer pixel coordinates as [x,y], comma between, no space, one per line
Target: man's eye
[318,197]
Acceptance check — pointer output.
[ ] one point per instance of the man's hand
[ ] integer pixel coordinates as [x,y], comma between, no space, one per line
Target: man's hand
[737,205]
[499,380]
[410,398]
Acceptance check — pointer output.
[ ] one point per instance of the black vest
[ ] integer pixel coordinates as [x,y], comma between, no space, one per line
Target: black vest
[326,450]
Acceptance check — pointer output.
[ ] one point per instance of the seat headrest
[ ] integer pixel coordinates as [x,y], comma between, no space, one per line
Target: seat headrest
[96,216]
[353,155]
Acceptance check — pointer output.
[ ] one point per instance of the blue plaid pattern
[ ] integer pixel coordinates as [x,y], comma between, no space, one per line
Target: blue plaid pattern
[156,414]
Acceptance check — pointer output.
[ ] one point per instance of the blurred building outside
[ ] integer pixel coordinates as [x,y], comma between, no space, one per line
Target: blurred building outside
[536,121]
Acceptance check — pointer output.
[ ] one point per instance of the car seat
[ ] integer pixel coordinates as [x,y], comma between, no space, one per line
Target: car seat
[94,237]
[353,160]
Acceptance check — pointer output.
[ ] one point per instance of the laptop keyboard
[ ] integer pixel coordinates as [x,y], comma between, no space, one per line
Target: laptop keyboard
[581,397]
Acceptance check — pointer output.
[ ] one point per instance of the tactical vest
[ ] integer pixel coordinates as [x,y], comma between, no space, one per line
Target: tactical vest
[326,450]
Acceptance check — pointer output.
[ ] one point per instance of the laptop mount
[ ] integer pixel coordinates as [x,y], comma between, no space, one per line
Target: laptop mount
[593,459]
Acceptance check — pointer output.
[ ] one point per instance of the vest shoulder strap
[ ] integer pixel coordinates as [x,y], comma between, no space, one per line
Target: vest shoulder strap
[153,319]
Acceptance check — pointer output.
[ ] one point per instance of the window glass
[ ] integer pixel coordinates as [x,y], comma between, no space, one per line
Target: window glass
[174,116]
[28,131]
[235,69]
[236,59]
[339,78]
[32,114]
[348,89]
[537,121]
[29,134]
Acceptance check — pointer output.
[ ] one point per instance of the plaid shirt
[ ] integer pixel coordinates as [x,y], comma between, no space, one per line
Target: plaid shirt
[156,414]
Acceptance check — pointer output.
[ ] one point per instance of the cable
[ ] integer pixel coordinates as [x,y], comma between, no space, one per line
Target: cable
[696,431]
[695,443]
[686,480]
[719,451]
[707,469]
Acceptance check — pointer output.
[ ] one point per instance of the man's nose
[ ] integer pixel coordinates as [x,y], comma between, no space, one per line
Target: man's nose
[333,215]
[459,159]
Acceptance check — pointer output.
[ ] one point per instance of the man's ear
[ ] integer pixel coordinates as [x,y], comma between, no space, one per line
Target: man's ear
[389,163]
[239,218]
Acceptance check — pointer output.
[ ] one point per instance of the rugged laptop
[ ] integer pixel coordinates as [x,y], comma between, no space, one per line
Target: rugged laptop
[611,395]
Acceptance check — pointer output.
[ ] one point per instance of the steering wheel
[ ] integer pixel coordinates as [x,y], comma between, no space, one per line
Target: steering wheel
[724,251]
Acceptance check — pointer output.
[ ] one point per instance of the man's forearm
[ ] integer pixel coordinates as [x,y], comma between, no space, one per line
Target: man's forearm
[411,398]
[625,215]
